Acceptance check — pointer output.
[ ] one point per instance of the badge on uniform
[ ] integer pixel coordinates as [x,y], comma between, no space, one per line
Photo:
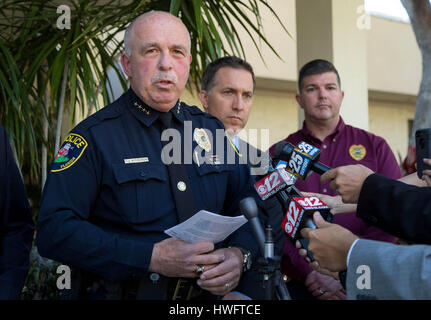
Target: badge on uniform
[201,138]
[72,149]
[357,152]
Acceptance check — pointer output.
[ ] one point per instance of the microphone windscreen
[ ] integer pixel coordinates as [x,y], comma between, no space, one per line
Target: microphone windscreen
[248,208]
[279,147]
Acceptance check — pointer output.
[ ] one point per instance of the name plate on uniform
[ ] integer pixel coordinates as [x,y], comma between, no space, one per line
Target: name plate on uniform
[136,160]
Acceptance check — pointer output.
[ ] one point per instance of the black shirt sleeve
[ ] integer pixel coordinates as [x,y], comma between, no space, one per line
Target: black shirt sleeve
[398,208]
[16,229]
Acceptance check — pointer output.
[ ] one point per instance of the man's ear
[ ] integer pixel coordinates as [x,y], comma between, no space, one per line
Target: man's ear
[125,63]
[203,96]
[298,99]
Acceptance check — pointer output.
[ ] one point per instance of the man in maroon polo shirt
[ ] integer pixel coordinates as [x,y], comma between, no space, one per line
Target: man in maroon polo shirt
[320,96]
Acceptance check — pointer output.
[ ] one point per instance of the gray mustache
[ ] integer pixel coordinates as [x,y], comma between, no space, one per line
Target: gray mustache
[161,76]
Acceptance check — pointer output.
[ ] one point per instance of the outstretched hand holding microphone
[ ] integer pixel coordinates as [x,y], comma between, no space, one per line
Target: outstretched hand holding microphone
[330,243]
[302,160]
[348,181]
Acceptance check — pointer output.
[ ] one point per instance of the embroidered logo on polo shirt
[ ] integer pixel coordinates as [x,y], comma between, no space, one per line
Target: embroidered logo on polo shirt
[357,152]
[72,149]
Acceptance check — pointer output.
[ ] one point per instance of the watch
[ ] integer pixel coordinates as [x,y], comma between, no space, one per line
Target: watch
[246,262]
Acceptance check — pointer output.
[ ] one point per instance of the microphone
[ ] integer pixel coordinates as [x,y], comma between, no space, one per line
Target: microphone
[302,160]
[248,208]
[269,243]
[273,182]
[278,182]
[300,215]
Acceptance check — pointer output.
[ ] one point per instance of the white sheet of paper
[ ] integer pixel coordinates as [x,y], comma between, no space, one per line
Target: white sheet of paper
[206,226]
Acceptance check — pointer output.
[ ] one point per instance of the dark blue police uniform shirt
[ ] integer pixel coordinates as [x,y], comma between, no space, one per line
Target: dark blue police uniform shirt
[104,215]
[16,225]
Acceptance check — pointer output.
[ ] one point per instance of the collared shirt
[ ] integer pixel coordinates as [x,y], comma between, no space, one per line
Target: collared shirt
[108,200]
[346,145]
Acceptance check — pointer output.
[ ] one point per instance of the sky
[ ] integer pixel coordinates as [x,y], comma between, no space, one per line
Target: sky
[392,9]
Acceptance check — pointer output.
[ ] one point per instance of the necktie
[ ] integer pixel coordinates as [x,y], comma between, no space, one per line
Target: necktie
[179,179]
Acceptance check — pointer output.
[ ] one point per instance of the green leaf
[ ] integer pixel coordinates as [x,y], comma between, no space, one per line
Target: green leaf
[175,7]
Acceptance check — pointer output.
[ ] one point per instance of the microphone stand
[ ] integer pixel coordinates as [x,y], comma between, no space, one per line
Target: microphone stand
[268,264]
[269,267]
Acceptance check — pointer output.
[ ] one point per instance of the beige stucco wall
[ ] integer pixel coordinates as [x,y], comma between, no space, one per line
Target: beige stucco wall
[394,63]
[283,43]
[390,121]
[394,67]
[276,111]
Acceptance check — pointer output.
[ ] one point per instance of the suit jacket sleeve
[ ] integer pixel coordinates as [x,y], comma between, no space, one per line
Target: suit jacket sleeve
[396,207]
[16,229]
[395,271]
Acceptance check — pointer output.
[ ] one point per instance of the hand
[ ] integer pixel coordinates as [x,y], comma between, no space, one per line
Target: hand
[335,203]
[413,179]
[426,174]
[347,180]
[315,265]
[329,243]
[223,277]
[331,288]
[176,258]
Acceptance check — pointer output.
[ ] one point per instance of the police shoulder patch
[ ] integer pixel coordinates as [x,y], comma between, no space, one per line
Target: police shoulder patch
[72,149]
